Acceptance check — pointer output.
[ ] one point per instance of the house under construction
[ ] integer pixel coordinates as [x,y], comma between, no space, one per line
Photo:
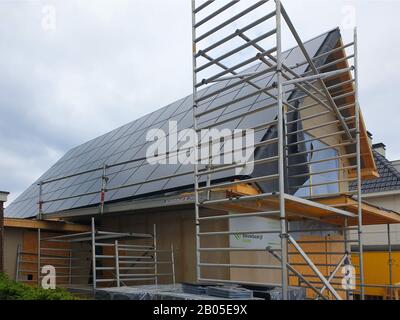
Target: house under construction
[107,218]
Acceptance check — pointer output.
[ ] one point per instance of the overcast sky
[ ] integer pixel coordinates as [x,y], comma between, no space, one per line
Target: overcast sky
[102,63]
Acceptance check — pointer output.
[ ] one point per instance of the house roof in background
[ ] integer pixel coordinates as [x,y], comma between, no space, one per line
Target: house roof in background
[389,176]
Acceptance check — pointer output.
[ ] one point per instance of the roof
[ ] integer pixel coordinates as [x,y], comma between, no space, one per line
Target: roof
[389,177]
[128,142]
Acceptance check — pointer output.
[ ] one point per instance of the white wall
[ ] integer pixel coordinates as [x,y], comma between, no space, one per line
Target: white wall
[377,235]
[396,164]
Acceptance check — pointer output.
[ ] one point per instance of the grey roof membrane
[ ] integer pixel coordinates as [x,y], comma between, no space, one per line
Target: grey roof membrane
[389,177]
[128,142]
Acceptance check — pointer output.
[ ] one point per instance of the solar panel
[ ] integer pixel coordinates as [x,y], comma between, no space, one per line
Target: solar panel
[129,142]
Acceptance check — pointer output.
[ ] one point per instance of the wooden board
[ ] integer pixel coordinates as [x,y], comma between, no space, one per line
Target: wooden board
[44,225]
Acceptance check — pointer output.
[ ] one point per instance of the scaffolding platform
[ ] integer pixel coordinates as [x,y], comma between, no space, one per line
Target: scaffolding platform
[332,209]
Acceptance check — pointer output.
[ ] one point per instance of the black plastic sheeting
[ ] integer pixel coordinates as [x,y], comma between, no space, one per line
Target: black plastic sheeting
[272,150]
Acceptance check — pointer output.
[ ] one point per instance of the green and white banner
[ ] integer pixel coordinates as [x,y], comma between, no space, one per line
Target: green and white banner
[254,240]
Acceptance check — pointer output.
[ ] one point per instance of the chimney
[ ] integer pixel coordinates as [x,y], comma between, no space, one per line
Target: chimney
[380,148]
[3,198]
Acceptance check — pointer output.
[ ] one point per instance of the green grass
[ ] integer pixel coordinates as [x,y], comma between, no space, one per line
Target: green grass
[12,290]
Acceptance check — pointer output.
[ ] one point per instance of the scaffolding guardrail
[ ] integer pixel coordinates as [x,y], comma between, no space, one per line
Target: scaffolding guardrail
[102,261]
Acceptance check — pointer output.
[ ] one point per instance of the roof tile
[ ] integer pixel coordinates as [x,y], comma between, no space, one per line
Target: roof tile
[389,177]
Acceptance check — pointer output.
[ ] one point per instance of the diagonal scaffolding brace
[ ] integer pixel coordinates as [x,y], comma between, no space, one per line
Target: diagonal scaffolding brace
[325,281]
[316,72]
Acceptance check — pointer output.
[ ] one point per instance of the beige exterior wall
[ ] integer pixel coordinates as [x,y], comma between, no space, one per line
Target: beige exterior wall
[172,228]
[27,240]
[179,228]
[12,239]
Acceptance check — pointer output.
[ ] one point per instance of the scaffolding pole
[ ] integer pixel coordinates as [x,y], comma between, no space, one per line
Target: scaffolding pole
[94,269]
[173,264]
[358,151]
[155,253]
[389,240]
[40,202]
[39,271]
[281,147]
[104,180]
[196,169]
[117,269]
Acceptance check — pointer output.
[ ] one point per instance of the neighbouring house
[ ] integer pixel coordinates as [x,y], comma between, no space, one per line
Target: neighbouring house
[152,205]
[384,192]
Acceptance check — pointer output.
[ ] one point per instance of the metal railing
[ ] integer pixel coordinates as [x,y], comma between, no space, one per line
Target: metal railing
[101,258]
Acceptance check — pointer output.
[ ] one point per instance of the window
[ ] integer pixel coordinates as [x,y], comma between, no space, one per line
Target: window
[324,183]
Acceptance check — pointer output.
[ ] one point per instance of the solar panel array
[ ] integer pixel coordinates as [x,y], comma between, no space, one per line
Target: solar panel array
[129,142]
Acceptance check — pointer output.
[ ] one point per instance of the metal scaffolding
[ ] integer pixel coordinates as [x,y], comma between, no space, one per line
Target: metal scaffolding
[109,259]
[226,58]
[315,138]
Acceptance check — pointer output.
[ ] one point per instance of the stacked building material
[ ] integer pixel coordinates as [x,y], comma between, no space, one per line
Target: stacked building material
[194,288]
[230,292]
[295,293]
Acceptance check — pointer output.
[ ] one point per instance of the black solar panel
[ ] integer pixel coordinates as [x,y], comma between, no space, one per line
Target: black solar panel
[128,142]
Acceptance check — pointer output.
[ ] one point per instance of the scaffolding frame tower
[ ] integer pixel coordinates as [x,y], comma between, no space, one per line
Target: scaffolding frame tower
[226,64]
